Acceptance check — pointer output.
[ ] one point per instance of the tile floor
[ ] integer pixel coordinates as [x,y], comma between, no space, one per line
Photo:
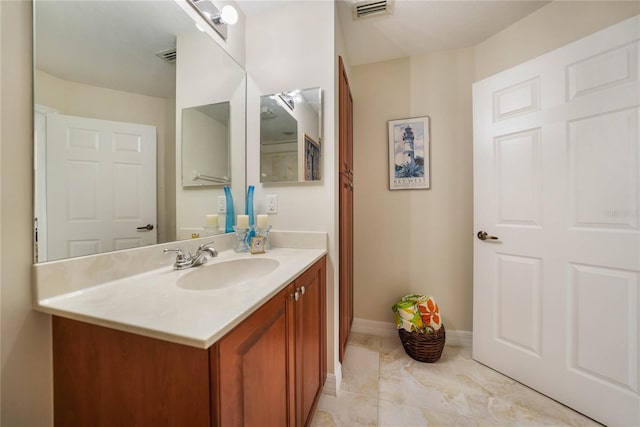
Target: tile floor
[382,386]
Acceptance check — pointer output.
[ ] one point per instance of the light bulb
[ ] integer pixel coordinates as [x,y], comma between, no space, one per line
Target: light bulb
[229,15]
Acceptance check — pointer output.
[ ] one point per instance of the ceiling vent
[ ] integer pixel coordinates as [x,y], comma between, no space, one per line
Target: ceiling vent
[369,9]
[168,55]
[267,113]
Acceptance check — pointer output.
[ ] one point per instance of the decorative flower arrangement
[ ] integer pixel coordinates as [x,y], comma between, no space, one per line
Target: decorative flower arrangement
[417,313]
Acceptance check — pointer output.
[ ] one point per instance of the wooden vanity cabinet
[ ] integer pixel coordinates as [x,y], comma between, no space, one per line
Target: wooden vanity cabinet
[105,377]
[251,368]
[269,370]
[310,340]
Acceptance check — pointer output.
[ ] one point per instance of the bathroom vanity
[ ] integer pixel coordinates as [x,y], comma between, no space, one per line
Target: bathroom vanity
[152,349]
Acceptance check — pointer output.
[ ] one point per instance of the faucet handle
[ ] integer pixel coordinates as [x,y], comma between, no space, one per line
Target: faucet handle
[181,260]
[180,254]
[180,257]
[208,246]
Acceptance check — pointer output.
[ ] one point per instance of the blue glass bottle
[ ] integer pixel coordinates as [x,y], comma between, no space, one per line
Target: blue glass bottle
[248,210]
[230,218]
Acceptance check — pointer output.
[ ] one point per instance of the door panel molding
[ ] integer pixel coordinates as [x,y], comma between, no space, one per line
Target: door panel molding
[557,178]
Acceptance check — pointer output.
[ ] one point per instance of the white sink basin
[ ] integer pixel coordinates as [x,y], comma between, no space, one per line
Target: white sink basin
[224,274]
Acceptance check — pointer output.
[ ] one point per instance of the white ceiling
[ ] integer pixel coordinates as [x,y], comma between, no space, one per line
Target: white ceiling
[110,44]
[90,41]
[416,26]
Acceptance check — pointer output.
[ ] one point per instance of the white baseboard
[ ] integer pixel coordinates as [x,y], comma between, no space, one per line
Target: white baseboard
[333,382]
[385,329]
[330,385]
[374,327]
[459,338]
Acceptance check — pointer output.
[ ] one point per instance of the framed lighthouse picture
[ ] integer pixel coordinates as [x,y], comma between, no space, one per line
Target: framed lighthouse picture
[409,154]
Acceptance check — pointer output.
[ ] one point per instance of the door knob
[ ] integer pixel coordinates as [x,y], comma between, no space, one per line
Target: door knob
[482,235]
[147,227]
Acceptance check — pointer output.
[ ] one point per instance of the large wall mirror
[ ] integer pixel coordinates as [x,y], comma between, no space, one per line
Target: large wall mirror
[114,83]
[291,136]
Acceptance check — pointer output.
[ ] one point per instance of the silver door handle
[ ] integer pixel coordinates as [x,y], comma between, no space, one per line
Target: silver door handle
[482,235]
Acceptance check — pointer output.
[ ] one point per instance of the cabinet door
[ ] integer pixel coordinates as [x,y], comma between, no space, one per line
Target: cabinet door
[310,340]
[105,377]
[346,209]
[346,263]
[253,361]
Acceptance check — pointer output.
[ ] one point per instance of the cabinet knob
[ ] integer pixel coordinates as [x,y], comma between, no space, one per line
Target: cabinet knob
[295,295]
[302,290]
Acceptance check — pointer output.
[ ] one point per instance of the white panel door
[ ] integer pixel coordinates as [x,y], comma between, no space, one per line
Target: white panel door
[557,181]
[101,185]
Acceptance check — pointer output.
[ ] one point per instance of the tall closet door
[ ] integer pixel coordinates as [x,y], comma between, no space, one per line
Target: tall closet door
[346,208]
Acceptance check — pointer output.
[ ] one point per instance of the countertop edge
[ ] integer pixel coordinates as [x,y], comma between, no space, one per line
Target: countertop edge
[191,341]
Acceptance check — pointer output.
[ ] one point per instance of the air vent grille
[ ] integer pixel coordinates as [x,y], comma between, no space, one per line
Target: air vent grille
[267,113]
[168,55]
[371,8]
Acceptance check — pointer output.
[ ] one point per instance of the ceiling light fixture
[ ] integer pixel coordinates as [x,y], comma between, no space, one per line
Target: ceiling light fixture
[229,15]
[218,20]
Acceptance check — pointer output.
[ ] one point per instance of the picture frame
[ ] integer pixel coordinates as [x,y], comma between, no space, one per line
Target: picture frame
[311,159]
[409,154]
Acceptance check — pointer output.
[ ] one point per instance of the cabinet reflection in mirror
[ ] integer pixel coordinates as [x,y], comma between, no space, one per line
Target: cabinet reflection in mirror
[291,136]
[108,108]
[205,145]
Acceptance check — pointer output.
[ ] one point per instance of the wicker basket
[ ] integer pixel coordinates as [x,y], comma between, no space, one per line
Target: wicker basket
[423,347]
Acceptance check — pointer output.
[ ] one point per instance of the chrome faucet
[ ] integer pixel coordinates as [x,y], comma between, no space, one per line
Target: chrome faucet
[205,252]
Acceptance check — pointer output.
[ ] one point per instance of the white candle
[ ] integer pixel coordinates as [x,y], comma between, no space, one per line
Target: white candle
[212,220]
[262,220]
[242,221]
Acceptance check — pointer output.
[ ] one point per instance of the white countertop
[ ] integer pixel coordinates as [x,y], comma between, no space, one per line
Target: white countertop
[151,303]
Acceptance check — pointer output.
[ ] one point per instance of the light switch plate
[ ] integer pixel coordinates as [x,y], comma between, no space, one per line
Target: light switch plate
[222,204]
[272,204]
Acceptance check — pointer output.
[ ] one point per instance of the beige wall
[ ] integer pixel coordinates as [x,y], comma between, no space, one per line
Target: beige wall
[546,29]
[422,240]
[414,241]
[1,102]
[26,377]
